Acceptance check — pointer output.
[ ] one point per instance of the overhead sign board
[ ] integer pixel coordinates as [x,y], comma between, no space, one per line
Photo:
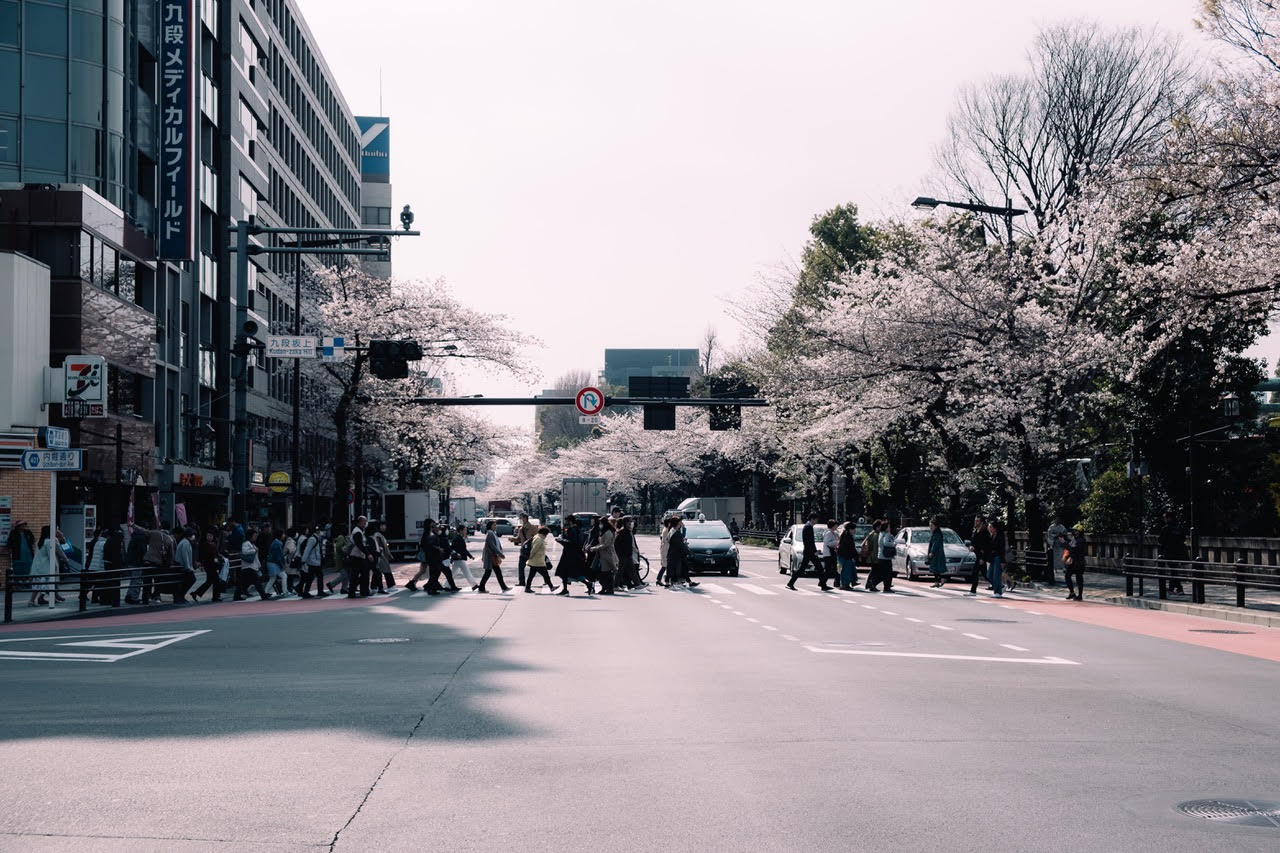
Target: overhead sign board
[333,349]
[290,346]
[589,400]
[52,460]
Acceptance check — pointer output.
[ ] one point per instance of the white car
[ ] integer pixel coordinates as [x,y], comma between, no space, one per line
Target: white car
[791,548]
[913,551]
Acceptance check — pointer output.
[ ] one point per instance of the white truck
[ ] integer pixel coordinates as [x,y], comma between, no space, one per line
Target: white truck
[584,494]
[402,517]
[715,509]
[463,510]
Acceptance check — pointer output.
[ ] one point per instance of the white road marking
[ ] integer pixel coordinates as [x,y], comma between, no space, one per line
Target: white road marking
[737,613]
[975,636]
[758,590]
[757,621]
[714,600]
[868,607]
[727,606]
[131,645]
[888,613]
[798,590]
[942,627]
[910,619]
[919,592]
[768,627]
[1035,613]
[789,637]
[1048,660]
[717,588]
[1013,648]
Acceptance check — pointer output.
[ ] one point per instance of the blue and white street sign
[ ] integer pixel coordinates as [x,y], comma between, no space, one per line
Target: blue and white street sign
[333,349]
[55,438]
[52,460]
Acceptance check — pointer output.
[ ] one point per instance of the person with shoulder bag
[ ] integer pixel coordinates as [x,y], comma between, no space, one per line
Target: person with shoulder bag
[382,568]
[846,555]
[359,549]
[250,569]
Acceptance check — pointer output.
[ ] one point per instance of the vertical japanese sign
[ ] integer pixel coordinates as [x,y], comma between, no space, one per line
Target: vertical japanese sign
[176,202]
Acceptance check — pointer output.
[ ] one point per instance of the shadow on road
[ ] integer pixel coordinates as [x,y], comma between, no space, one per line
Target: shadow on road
[380,671]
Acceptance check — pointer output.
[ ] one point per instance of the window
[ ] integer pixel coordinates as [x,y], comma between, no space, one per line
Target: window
[84,152]
[46,145]
[46,29]
[8,79]
[46,87]
[86,93]
[9,23]
[86,36]
[248,197]
[8,140]
[124,391]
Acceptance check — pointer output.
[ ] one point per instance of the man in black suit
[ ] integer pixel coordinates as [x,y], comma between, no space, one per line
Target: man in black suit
[809,554]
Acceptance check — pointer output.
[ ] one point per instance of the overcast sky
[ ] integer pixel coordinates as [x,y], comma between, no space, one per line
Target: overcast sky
[611,172]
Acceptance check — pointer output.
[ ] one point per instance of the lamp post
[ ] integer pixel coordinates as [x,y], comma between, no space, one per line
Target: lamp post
[1007,212]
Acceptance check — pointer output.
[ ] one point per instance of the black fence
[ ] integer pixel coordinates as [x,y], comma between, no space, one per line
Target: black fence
[113,587]
[1198,574]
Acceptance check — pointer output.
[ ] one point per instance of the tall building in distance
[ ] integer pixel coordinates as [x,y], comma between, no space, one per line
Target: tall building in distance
[134,135]
[376,207]
[621,364]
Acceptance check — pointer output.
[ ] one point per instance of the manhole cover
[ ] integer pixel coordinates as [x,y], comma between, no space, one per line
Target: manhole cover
[381,640]
[1236,812]
[999,621]
[1216,631]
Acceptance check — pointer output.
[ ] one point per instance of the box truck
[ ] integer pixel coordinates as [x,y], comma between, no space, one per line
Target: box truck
[584,494]
[715,509]
[463,510]
[402,517]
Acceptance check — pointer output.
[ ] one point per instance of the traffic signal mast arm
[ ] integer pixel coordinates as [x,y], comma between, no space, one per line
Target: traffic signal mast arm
[569,401]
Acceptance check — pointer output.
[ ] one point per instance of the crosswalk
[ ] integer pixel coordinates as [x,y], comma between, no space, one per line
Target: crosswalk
[900,588]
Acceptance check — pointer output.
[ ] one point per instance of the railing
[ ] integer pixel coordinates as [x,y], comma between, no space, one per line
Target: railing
[774,535]
[1199,574]
[111,586]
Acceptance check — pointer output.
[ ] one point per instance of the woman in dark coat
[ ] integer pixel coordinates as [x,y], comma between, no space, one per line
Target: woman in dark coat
[572,565]
[937,556]
[995,558]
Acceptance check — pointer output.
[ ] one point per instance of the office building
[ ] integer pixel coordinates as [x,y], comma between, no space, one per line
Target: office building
[376,206]
[621,364]
[133,136]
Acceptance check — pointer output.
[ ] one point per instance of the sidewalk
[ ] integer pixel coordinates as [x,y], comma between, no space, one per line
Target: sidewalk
[1263,606]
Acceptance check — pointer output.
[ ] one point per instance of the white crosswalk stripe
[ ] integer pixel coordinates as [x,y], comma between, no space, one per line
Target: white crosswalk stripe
[798,591]
[758,590]
[715,587]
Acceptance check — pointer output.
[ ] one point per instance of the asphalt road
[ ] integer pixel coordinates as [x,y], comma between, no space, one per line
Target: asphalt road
[738,716]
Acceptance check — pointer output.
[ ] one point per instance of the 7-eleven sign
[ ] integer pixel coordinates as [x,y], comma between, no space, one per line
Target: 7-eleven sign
[86,386]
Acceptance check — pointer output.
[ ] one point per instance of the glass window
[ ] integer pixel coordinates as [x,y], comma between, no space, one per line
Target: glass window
[84,152]
[86,36]
[45,146]
[115,102]
[46,29]
[115,158]
[86,93]
[115,45]
[46,87]
[9,81]
[9,23]
[384,216]
[106,268]
[86,256]
[129,281]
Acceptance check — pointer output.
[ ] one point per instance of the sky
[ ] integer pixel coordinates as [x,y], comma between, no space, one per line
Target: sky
[617,173]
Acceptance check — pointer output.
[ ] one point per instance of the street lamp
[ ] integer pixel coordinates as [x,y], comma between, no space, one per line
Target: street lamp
[1007,212]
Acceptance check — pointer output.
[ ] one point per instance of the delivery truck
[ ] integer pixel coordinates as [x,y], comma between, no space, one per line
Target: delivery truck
[402,517]
[715,509]
[463,510]
[584,494]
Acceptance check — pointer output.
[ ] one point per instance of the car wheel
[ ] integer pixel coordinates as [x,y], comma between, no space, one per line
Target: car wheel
[733,572]
[724,572]
[906,571]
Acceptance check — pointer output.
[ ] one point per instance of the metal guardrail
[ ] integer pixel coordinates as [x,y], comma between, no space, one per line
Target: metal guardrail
[1199,574]
[110,585]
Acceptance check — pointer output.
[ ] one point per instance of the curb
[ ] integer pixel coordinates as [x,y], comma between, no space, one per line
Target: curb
[1228,614]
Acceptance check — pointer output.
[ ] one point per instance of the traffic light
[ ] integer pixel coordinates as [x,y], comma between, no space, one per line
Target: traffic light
[659,417]
[390,359]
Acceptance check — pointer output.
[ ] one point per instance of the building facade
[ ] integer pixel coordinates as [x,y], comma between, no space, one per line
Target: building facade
[85,188]
[621,364]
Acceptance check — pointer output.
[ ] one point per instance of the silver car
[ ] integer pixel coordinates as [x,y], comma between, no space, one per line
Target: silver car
[913,552]
[791,548]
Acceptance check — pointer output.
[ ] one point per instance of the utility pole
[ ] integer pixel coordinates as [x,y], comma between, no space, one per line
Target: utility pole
[294,451]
